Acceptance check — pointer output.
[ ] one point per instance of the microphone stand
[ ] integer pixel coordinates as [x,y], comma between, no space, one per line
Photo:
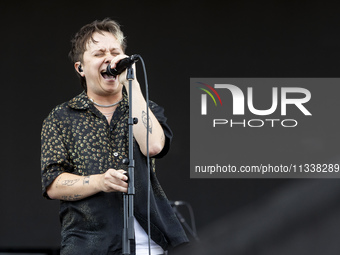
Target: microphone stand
[180,217]
[128,225]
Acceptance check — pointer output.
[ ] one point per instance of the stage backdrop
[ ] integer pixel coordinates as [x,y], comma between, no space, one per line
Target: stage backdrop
[178,40]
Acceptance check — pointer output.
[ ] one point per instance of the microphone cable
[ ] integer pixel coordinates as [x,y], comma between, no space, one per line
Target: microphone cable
[147,151]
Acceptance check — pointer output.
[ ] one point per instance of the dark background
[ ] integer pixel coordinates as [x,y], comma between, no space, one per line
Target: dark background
[178,40]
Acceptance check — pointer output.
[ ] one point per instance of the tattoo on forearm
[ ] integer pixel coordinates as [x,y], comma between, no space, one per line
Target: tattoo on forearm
[56,185]
[144,119]
[69,182]
[71,198]
[86,180]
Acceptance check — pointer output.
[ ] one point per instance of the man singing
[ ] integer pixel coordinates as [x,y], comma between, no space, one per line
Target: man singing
[83,144]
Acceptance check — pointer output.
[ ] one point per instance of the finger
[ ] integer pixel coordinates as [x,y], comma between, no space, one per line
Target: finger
[119,174]
[118,188]
[124,173]
[115,184]
[116,60]
[124,176]
[118,183]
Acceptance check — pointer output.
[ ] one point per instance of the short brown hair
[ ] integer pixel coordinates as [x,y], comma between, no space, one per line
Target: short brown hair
[80,40]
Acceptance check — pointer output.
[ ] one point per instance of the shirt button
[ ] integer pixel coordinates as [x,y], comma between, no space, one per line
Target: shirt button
[115,154]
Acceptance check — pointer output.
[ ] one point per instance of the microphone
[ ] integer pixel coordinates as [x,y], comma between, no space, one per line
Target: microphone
[122,65]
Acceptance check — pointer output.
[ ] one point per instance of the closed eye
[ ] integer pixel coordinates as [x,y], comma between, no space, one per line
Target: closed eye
[115,53]
[98,54]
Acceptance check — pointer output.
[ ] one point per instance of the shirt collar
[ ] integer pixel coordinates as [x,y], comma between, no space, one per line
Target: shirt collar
[82,102]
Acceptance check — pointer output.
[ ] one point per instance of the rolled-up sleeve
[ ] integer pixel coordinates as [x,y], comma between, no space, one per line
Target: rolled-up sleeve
[54,156]
[158,111]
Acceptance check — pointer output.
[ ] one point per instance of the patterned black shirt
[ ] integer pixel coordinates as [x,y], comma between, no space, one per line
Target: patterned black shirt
[76,138]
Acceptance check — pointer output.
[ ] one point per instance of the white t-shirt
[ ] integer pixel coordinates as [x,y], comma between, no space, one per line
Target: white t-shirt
[142,244]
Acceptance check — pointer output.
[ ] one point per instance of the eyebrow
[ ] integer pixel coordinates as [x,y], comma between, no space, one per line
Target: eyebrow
[103,50]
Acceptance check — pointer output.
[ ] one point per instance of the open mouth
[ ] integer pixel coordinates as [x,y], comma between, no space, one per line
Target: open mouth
[107,76]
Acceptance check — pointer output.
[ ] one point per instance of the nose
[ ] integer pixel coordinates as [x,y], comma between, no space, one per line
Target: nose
[108,58]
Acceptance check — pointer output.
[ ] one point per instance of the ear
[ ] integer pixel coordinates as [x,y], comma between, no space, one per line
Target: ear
[79,69]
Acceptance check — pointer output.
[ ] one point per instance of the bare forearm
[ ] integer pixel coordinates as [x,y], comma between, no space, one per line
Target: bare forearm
[72,187]
[144,125]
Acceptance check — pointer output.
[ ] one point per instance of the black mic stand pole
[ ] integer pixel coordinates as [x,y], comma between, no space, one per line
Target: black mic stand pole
[128,226]
[185,224]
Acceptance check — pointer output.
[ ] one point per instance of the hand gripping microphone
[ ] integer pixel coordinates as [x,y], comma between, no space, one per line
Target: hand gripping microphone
[122,65]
